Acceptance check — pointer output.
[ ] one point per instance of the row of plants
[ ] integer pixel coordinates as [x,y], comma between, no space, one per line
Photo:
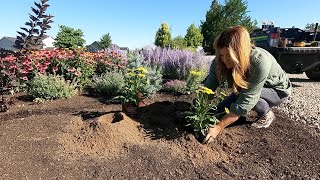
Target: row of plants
[63,73]
[101,70]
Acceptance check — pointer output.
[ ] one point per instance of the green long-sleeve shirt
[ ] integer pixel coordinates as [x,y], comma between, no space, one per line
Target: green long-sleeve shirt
[264,71]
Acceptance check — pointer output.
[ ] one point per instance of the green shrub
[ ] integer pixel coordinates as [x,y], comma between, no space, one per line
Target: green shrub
[51,87]
[154,75]
[108,84]
[75,67]
[175,86]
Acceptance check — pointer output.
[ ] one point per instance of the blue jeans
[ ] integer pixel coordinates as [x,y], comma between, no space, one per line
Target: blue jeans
[269,98]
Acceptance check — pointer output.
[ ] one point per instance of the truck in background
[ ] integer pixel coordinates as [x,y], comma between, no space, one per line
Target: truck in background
[296,50]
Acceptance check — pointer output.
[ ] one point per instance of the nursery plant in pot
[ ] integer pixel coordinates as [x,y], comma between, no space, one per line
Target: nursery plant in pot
[203,115]
[132,97]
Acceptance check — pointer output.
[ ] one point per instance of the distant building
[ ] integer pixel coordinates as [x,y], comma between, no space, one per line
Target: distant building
[94,47]
[48,42]
[9,42]
[122,49]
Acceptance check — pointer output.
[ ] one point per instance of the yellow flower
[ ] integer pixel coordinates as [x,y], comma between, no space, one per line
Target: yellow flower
[195,73]
[141,75]
[131,70]
[226,110]
[207,90]
[204,90]
[131,74]
[223,94]
[143,70]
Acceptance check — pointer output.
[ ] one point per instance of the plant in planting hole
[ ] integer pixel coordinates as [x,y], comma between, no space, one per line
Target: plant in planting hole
[135,80]
[203,117]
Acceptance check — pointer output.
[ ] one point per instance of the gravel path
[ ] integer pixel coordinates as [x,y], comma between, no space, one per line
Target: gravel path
[304,103]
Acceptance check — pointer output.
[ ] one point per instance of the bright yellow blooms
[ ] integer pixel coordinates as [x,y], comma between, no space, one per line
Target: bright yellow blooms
[141,75]
[143,70]
[204,90]
[195,73]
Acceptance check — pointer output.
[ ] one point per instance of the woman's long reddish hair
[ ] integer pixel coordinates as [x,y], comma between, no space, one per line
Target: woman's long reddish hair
[237,41]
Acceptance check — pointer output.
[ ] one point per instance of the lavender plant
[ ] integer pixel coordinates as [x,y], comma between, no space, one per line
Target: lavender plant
[176,64]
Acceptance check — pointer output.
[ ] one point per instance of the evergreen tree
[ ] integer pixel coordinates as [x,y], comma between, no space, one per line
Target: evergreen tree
[68,37]
[105,41]
[219,17]
[178,43]
[193,37]
[163,36]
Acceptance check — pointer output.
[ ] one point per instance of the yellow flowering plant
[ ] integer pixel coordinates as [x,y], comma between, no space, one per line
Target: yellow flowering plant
[202,116]
[194,79]
[135,80]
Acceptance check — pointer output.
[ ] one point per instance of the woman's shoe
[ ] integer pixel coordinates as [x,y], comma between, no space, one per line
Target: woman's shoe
[264,121]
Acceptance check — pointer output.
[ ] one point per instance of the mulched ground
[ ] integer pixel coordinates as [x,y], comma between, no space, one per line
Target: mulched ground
[85,137]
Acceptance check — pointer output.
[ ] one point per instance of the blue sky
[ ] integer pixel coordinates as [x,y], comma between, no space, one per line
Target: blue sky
[133,23]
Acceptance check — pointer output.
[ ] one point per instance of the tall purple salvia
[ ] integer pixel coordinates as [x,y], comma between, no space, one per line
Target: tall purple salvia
[176,64]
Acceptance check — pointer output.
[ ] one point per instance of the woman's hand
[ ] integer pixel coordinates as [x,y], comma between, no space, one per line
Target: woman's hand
[213,133]
[225,121]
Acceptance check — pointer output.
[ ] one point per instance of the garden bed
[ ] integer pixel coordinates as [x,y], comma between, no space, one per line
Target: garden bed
[84,137]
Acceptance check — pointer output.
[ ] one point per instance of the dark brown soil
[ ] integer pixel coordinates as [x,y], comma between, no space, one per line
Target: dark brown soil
[86,138]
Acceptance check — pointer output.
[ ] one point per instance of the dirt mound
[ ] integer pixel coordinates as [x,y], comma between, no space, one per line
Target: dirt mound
[112,134]
[104,136]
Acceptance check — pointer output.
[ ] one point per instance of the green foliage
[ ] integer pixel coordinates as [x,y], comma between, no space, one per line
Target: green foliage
[108,84]
[135,81]
[178,43]
[163,36]
[68,37]
[154,83]
[85,71]
[193,37]
[105,41]
[202,117]
[75,68]
[51,87]
[154,75]
[110,63]
[194,79]
[175,86]
[219,17]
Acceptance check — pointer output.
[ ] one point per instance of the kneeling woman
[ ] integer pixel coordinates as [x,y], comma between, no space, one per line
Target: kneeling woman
[257,80]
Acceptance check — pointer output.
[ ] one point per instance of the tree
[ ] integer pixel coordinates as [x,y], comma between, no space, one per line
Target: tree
[38,24]
[178,43]
[105,41]
[68,37]
[193,37]
[312,26]
[163,36]
[219,17]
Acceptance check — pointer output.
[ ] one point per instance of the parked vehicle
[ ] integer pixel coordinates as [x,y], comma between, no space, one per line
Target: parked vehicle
[296,50]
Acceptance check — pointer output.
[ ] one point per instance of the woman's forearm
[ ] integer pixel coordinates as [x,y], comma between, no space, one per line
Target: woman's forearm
[228,119]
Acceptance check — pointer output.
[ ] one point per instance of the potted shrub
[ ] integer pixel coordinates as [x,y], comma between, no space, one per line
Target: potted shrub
[132,97]
[203,117]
